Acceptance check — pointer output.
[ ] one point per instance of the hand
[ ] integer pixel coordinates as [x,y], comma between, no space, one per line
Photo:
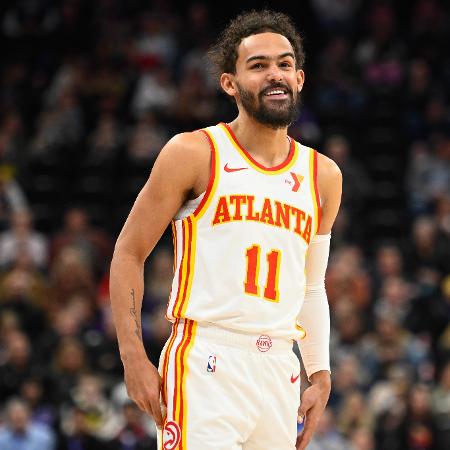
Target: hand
[144,386]
[313,403]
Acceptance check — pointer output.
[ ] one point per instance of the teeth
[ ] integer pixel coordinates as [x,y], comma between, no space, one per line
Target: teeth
[275,92]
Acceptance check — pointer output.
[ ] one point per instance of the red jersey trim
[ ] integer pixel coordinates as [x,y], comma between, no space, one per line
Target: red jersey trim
[212,175]
[316,191]
[250,158]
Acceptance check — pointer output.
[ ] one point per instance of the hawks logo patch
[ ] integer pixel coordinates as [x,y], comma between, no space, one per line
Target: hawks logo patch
[171,435]
[264,343]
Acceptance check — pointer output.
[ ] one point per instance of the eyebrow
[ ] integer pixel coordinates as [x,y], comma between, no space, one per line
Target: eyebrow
[283,55]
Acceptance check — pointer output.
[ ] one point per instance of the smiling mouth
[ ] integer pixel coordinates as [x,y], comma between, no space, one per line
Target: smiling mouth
[276,94]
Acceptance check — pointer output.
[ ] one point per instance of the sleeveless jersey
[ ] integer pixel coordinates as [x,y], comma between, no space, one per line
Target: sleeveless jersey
[239,258]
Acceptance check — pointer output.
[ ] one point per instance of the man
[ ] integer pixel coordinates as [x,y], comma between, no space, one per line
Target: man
[251,213]
[20,433]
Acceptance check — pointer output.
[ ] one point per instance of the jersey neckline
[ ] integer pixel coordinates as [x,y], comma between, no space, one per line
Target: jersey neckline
[286,164]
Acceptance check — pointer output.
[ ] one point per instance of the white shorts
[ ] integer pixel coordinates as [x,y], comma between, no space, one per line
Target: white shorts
[226,390]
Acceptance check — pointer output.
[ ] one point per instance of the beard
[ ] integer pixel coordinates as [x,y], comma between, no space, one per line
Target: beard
[279,114]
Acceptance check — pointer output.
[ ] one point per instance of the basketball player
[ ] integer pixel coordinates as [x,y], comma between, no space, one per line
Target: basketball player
[251,213]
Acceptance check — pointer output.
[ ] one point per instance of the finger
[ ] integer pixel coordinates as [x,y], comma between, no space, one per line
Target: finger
[303,440]
[142,406]
[305,406]
[156,412]
[145,406]
[308,431]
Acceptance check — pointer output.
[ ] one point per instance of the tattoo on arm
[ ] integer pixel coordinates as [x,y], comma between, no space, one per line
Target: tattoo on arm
[134,314]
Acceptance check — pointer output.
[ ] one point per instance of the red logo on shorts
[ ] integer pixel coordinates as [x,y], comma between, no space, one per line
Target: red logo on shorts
[264,343]
[171,435]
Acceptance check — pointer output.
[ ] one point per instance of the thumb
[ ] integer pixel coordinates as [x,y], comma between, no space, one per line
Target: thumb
[301,413]
[305,406]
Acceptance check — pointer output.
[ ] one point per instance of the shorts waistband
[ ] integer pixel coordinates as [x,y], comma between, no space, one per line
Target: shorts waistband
[256,343]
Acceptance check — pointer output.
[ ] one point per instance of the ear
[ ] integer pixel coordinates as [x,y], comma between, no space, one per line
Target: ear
[300,80]
[227,84]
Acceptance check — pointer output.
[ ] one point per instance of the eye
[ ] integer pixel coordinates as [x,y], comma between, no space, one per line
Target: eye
[257,66]
[285,64]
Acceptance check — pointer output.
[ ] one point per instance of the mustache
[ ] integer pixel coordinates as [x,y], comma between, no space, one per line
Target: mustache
[274,86]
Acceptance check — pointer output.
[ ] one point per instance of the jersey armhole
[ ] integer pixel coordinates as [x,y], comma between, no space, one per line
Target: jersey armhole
[213,176]
[315,187]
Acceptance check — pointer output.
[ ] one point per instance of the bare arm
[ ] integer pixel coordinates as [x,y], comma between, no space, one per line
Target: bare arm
[181,167]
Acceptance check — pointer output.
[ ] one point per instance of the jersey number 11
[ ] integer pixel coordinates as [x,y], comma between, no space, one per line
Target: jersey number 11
[253,256]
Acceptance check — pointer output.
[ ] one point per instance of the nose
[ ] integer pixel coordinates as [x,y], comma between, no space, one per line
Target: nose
[275,73]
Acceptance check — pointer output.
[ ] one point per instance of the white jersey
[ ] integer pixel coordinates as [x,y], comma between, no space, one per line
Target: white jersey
[240,255]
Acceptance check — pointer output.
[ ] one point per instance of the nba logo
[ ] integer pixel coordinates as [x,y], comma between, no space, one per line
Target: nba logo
[211,364]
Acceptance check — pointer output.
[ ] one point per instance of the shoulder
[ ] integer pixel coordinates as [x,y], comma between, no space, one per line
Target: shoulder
[192,144]
[186,152]
[327,170]
[183,163]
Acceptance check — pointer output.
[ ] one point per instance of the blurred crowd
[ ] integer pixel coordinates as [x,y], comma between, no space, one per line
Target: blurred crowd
[89,93]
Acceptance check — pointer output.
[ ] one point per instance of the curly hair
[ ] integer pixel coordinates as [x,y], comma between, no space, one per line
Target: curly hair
[224,53]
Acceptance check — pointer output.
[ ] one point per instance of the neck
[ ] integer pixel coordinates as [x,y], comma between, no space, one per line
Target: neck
[268,146]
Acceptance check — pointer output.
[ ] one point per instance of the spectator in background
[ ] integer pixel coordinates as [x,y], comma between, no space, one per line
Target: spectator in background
[395,298]
[77,435]
[418,90]
[380,55]
[443,215]
[101,418]
[33,392]
[133,435]
[348,279]
[12,140]
[103,350]
[391,344]
[12,197]
[105,140]
[156,332]
[93,245]
[18,365]
[428,175]
[428,252]
[362,439]
[340,90]
[416,427]
[388,262]
[440,320]
[348,377]
[155,43]
[327,437]
[196,101]
[159,278]
[354,414]
[357,183]
[440,405]
[59,128]
[69,364]
[23,293]
[22,238]
[335,15]
[146,140]
[155,91]
[20,433]
[70,275]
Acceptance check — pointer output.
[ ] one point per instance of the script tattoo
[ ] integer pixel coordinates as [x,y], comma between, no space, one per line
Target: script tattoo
[133,312]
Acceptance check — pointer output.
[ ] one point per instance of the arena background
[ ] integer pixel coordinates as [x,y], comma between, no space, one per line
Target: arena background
[89,93]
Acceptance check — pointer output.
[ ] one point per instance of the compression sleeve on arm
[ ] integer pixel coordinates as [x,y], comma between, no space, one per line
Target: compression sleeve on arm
[314,316]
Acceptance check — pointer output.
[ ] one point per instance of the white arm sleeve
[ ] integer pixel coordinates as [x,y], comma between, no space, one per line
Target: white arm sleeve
[314,316]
